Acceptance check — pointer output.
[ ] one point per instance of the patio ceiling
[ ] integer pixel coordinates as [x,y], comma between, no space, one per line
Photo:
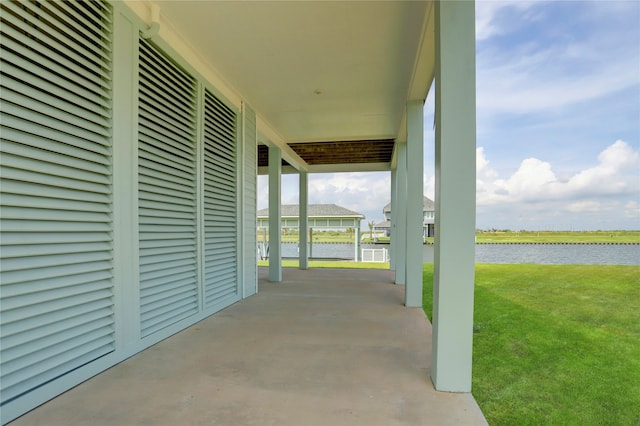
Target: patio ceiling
[351,154]
[317,71]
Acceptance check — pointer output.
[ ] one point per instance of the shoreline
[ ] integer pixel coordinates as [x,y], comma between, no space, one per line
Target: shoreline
[567,243]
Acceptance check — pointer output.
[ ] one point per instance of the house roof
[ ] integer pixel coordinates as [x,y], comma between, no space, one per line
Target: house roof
[429,206]
[334,75]
[313,210]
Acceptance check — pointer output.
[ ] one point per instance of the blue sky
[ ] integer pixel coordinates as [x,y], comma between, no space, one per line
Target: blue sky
[558,122]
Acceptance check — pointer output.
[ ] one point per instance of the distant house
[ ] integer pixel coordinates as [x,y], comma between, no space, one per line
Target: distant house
[428,219]
[327,216]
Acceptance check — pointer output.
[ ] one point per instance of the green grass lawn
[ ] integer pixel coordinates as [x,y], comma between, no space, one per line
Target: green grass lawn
[555,344]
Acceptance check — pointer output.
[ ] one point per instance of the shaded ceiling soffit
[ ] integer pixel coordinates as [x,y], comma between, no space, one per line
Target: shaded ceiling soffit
[345,152]
[318,154]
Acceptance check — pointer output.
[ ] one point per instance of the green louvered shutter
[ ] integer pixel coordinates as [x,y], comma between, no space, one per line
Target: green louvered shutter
[56,283]
[167,192]
[220,202]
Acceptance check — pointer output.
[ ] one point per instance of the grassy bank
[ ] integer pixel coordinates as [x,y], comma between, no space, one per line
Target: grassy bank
[555,344]
[558,237]
[489,237]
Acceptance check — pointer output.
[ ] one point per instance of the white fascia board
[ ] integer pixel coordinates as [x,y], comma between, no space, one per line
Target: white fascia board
[423,69]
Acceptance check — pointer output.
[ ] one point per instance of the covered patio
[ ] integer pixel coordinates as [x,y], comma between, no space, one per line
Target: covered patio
[323,347]
[132,136]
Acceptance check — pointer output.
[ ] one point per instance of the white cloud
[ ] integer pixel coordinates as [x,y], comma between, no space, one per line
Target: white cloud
[632,211]
[486,11]
[366,193]
[608,177]
[429,185]
[616,174]
[515,87]
[591,206]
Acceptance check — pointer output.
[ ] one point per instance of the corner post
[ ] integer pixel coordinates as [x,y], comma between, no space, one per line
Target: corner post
[400,215]
[356,243]
[414,204]
[275,254]
[303,223]
[392,222]
[455,158]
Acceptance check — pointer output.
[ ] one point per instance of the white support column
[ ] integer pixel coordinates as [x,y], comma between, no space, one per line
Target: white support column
[275,255]
[414,204]
[392,220]
[356,243]
[455,159]
[400,215]
[303,222]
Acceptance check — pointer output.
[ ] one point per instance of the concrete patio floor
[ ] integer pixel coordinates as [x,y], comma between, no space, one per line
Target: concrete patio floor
[324,347]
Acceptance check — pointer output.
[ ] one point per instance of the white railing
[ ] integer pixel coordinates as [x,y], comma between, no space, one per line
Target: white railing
[375,255]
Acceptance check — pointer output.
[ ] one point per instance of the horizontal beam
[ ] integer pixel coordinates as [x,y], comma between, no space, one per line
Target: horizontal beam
[334,168]
[353,167]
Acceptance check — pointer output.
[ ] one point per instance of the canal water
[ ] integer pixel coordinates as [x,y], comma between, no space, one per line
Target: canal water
[599,254]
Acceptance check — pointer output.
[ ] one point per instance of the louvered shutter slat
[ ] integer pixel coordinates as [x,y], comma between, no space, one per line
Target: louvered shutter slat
[47,191]
[153,172]
[76,95]
[40,135]
[15,43]
[158,281]
[163,68]
[30,239]
[61,361]
[166,191]
[13,340]
[56,257]
[40,145]
[91,168]
[57,16]
[156,133]
[61,39]
[175,161]
[70,15]
[51,106]
[220,205]
[57,175]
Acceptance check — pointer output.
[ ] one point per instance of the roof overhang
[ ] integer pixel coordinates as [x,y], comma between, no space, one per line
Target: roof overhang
[314,71]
